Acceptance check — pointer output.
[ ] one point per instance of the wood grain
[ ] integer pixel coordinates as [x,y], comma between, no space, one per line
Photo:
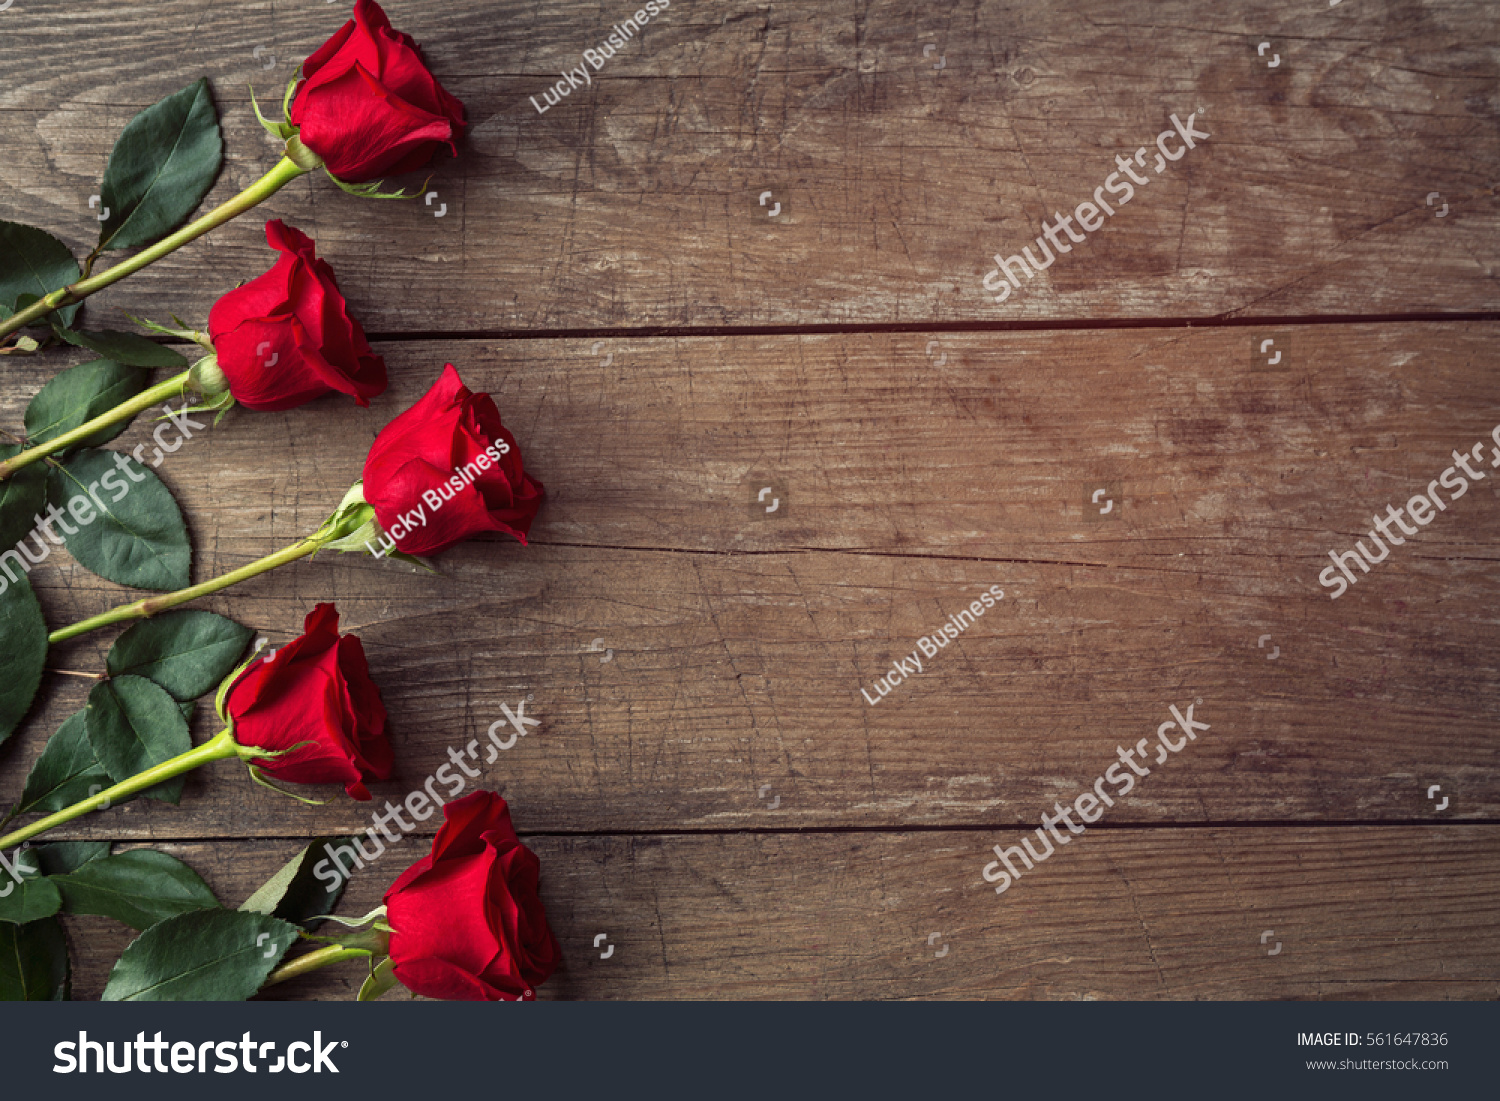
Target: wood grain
[710,787]
[739,648]
[635,202]
[1403,912]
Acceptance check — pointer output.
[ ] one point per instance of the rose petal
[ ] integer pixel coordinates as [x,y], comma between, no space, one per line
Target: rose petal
[466,821]
[302,695]
[266,366]
[286,338]
[441,915]
[370,106]
[435,978]
[372,130]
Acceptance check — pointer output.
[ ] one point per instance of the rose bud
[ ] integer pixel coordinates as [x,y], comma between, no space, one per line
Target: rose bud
[368,106]
[316,690]
[447,469]
[443,470]
[308,712]
[466,921]
[286,337]
[279,341]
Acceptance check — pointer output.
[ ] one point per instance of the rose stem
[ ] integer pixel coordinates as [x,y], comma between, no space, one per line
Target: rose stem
[162,391]
[144,609]
[302,965]
[222,745]
[273,181]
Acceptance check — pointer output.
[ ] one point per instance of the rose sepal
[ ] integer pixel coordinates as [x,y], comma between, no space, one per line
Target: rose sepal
[208,380]
[376,940]
[251,754]
[282,130]
[300,155]
[259,777]
[378,538]
[381,979]
[218,407]
[227,683]
[181,333]
[207,377]
[372,190]
[350,524]
[375,537]
[353,528]
[352,923]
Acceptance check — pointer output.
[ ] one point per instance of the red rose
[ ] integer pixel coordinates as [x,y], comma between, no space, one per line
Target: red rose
[446,469]
[286,337]
[368,106]
[466,921]
[316,688]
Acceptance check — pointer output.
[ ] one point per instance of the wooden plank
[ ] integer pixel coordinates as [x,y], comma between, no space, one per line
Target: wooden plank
[635,202]
[967,445]
[734,653]
[1401,912]
[710,788]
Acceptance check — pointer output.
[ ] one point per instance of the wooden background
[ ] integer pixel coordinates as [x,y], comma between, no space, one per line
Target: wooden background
[662,347]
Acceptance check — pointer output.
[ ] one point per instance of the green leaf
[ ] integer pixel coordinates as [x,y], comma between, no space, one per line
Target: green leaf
[33,962]
[66,857]
[136,535]
[296,892]
[133,725]
[138,888]
[25,894]
[185,651]
[65,771]
[33,262]
[78,395]
[22,497]
[163,164]
[201,956]
[131,348]
[23,643]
